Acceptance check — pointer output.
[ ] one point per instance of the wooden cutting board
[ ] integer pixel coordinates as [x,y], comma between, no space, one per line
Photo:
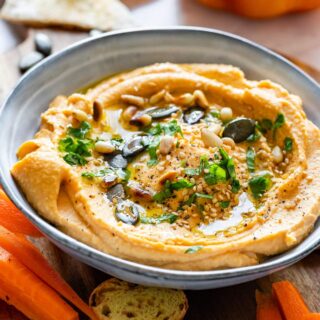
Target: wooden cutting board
[231,303]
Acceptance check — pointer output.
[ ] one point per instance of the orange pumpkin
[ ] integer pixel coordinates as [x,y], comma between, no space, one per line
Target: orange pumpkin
[259,9]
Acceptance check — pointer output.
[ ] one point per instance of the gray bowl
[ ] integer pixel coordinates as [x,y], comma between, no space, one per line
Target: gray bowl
[94,58]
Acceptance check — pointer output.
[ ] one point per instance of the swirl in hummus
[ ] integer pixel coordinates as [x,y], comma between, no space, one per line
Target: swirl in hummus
[179,166]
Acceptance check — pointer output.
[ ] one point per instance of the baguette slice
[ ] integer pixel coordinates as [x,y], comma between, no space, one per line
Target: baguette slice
[119,300]
[81,14]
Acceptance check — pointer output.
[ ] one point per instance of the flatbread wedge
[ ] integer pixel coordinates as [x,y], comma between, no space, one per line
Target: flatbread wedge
[79,14]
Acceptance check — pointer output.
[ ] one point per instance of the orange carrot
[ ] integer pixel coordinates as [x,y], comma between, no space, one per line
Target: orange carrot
[31,257]
[312,316]
[290,301]
[23,289]
[267,308]
[12,218]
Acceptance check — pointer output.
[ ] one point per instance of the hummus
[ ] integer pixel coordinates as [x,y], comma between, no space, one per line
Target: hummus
[187,167]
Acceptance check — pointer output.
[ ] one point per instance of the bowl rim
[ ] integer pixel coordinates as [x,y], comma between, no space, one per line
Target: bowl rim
[278,262]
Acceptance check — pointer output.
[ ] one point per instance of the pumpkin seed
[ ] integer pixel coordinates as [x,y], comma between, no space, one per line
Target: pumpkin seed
[193,115]
[118,161]
[116,191]
[134,146]
[157,112]
[128,212]
[239,129]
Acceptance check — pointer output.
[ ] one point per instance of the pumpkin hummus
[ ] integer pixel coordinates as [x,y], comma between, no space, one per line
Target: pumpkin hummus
[187,167]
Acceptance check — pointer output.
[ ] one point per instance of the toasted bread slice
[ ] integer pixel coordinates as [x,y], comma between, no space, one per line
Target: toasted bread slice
[119,300]
[85,14]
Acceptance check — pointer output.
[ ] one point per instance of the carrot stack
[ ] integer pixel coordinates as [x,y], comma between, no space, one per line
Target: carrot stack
[27,281]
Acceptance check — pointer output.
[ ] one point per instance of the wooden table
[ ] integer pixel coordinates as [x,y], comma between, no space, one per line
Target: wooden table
[294,35]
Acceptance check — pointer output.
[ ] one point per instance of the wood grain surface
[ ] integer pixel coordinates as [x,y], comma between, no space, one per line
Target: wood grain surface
[235,302]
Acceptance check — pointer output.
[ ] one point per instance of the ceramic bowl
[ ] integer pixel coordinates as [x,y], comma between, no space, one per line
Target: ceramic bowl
[94,58]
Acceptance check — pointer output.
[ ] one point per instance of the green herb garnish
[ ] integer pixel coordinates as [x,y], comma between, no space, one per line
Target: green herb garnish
[170,217]
[279,122]
[224,204]
[169,187]
[204,164]
[76,145]
[170,128]
[181,184]
[74,159]
[193,249]
[80,132]
[122,174]
[288,143]
[215,175]
[193,198]
[215,113]
[260,184]
[228,163]
[152,150]
[203,195]
[254,137]
[251,159]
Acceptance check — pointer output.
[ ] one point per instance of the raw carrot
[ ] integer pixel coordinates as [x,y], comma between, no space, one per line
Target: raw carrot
[23,289]
[312,316]
[267,308]
[31,257]
[13,219]
[290,301]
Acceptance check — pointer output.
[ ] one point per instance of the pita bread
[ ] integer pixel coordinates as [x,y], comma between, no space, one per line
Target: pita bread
[82,14]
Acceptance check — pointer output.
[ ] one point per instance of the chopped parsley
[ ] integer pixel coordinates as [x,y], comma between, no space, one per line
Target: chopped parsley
[193,198]
[170,217]
[152,150]
[77,145]
[217,172]
[203,195]
[80,132]
[193,249]
[228,163]
[260,184]
[169,187]
[181,184]
[215,175]
[122,174]
[288,143]
[204,164]
[251,159]
[169,128]
[215,113]
[266,124]
[224,204]
[279,122]
[166,193]
[254,136]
